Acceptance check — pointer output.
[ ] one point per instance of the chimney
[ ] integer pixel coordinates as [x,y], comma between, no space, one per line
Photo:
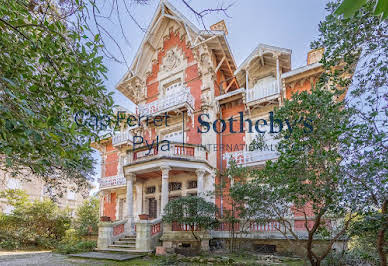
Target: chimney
[314,56]
[220,26]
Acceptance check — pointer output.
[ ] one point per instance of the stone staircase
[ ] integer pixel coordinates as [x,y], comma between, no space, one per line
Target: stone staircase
[128,243]
[125,244]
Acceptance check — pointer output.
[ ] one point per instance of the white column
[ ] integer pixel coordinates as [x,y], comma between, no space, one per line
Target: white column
[130,224]
[209,186]
[278,71]
[120,170]
[246,79]
[139,197]
[101,203]
[200,181]
[164,199]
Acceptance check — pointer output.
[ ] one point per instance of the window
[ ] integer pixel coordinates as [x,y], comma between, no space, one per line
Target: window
[192,184]
[173,186]
[176,136]
[150,190]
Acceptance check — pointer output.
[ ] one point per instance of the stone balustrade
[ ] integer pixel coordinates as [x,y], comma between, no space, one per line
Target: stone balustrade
[108,232]
[176,150]
[148,233]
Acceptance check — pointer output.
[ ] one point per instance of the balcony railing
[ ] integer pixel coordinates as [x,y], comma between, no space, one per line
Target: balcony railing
[250,158]
[176,150]
[112,181]
[121,138]
[168,102]
[262,91]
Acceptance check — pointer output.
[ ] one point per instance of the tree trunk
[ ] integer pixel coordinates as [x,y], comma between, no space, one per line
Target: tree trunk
[381,236]
[312,259]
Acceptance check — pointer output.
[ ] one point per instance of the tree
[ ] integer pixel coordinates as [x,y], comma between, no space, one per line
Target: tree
[235,218]
[47,74]
[349,7]
[51,67]
[306,178]
[194,211]
[87,218]
[362,38]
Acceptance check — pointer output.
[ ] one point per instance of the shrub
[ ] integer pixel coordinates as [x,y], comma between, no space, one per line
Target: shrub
[80,246]
[87,219]
[38,223]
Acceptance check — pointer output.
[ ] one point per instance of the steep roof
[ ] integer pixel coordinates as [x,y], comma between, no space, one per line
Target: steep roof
[153,38]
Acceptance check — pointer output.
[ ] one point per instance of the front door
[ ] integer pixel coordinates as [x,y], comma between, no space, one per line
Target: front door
[152,209]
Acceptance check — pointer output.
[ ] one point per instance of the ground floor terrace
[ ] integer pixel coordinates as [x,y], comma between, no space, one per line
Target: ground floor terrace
[132,205]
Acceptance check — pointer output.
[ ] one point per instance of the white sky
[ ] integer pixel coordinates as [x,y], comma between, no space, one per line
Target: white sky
[291,24]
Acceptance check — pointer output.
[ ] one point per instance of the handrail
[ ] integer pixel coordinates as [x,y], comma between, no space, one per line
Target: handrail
[112,181]
[167,102]
[176,150]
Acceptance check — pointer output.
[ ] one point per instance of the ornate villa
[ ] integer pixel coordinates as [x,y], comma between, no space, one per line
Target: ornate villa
[184,72]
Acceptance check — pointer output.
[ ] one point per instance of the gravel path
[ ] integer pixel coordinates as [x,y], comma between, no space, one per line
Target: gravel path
[43,258]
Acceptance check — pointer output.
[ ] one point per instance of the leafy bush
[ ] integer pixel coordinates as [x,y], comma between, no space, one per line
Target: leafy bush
[38,223]
[87,219]
[80,246]
[354,257]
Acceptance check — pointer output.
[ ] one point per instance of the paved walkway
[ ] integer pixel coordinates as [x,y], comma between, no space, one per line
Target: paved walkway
[16,258]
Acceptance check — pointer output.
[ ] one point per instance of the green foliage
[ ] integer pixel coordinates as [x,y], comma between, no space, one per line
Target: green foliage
[72,243]
[308,169]
[363,233]
[307,174]
[87,219]
[76,247]
[361,39]
[48,72]
[236,215]
[38,223]
[349,7]
[192,210]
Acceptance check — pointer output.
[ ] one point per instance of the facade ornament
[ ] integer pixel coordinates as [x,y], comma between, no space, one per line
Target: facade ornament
[205,100]
[171,60]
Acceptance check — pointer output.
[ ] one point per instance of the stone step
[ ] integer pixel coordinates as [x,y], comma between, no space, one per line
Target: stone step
[128,239]
[121,242]
[126,250]
[132,237]
[122,246]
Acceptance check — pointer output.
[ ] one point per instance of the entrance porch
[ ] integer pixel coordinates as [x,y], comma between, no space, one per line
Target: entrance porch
[149,185]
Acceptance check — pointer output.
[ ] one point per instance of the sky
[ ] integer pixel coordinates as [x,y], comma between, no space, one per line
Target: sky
[283,23]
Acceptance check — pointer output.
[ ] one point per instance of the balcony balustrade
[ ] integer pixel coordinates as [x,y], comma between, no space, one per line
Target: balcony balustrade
[121,138]
[176,150]
[112,181]
[250,158]
[262,90]
[182,98]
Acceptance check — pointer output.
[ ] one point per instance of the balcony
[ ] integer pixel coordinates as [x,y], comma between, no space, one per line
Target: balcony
[121,138]
[181,99]
[250,158]
[112,181]
[265,89]
[176,151]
